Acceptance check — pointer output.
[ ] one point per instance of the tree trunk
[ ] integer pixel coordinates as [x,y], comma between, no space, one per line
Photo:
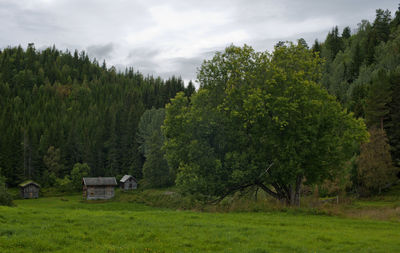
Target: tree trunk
[297,191]
[255,197]
[294,197]
[289,195]
[291,200]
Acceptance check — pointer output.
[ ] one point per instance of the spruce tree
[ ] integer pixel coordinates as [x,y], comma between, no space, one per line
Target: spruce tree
[379,97]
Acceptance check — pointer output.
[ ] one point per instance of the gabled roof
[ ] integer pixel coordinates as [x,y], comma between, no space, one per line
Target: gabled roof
[99,181]
[26,183]
[126,177]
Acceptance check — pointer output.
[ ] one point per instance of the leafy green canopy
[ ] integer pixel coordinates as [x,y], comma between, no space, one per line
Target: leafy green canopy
[79,171]
[155,169]
[258,119]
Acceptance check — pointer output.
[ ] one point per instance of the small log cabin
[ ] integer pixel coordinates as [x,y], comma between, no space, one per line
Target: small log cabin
[29,190]
[128,182]
[98,187]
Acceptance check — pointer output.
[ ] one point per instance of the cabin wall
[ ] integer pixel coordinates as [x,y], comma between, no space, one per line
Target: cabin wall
[99,192]
[130,185]
[30,192]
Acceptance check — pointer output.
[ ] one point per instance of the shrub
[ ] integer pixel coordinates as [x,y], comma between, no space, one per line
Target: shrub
[5,197]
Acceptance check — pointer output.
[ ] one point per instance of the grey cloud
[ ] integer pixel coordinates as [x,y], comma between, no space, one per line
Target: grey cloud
[143,59]
[32,21]
[101,52]
[187,67]
[24,25]
[107,29]
[143,53]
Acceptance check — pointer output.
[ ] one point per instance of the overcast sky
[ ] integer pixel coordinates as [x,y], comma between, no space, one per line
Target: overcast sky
[173,37]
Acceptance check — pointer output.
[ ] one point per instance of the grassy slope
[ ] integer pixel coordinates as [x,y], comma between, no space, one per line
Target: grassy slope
[66,224]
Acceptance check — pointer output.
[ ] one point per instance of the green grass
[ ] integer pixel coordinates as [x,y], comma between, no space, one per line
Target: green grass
[67,224]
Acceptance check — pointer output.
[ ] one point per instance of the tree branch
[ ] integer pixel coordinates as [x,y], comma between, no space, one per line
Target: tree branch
[269,191]
[230,191]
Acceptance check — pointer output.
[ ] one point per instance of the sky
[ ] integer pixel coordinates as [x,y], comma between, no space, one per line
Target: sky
[171,37]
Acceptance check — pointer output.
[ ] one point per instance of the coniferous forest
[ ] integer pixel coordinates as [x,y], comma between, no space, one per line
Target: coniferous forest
[362,69]
[59,108]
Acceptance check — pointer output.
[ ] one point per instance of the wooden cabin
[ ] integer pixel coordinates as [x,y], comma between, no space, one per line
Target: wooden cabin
[29,190]
[128,182]
[98,187]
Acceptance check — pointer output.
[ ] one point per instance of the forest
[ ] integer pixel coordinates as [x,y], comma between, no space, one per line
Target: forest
[61,108]
[298,115]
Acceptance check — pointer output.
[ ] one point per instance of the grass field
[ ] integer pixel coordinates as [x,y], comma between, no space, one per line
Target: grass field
[67,224]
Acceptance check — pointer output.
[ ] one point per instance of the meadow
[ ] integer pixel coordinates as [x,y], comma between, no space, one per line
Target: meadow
[68,224]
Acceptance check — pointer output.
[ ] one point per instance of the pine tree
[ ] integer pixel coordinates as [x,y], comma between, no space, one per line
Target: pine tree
[381,25]
[377,109]
[316,47]
[190,89]
[333,43]
[346,33]
[394,129]
[357,60]
[396,20]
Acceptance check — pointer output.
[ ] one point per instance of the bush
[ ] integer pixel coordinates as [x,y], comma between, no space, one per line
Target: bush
[5,197]
[64,184]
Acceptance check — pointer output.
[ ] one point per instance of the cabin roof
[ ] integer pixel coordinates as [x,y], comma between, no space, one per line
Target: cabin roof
[26,183]
[126,177]
[99,181]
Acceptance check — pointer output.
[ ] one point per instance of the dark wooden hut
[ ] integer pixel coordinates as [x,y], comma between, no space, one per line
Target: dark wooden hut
[29,190]
[98,187]
[128,182]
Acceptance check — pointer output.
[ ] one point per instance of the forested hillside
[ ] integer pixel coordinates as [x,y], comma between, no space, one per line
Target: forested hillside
[60,108]
[362,69]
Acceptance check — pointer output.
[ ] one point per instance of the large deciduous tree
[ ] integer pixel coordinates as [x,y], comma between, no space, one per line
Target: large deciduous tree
[258,119]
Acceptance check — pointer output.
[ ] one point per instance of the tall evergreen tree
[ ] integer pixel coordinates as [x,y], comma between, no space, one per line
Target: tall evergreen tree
[346,33]
[377,103]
